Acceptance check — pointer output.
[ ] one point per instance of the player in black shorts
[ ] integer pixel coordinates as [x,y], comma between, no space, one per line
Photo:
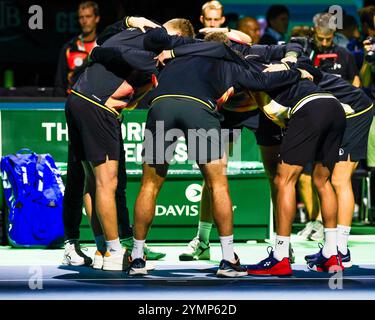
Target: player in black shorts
[353,148]
[359,114]
[185,99]
[307,138]
[94,121]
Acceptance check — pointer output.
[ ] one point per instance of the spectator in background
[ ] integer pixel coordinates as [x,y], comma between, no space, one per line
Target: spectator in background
[343,64]
[213,19]
[277,25]
[250,26]
[212,15]
[73,55]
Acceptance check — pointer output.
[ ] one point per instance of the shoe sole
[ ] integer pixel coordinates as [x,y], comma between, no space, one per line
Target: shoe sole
[230,274]
[138,272]
[347,264]
[320,269]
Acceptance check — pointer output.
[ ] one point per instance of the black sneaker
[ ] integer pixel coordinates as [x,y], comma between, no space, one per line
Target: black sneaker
[137,267]
[228,269]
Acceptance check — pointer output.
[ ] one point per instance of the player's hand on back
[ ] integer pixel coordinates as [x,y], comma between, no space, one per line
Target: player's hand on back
[164,55]
[142,23]
[275,67]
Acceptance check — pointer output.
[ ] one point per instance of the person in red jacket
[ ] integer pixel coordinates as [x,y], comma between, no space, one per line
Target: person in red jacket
[73,55]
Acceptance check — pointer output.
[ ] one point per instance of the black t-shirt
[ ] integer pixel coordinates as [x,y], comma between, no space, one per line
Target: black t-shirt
[343,66]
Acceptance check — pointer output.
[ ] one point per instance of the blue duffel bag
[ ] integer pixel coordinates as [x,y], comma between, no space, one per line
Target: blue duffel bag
[34,193]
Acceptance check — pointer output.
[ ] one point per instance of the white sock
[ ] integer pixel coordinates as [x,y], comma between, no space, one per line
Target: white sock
[330,242]
[227,247]
[343,233]
[281,250]
[138,248]
[100,243]
[204,230]
[114,246]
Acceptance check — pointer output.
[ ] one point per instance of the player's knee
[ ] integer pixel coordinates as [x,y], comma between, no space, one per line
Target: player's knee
[320,181]
[107,183]
[283,180]
[341,181]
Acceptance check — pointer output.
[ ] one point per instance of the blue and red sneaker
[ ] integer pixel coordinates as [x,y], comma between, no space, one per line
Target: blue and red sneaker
[271,266]
[322,264]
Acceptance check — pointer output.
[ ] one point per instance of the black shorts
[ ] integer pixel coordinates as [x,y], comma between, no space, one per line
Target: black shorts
[172,117]
[94,133]
[266,132]
[314,134]
[355,140]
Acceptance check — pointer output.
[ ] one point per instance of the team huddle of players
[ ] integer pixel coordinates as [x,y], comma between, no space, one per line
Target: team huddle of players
[196,88]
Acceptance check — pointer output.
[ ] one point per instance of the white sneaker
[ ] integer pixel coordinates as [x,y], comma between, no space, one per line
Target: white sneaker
[317,234]
[73,255]
[98,260]
[305,232]
[114,261]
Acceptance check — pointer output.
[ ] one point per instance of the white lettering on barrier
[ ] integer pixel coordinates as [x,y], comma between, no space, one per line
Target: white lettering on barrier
[176,210]
[48,126]
[60,131]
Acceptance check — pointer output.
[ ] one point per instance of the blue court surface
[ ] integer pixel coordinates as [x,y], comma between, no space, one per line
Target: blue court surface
[37,274]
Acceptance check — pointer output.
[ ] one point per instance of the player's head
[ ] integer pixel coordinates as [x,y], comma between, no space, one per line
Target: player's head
[251,27]
[179,26]
[218,37]
[212,15]
[88,16]
[324,30]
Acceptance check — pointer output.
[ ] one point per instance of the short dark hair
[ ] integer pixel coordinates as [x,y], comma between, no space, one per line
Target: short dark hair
[90,4]
[366,16]
[274,11]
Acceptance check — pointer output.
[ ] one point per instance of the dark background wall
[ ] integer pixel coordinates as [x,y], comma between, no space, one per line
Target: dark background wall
[33,54]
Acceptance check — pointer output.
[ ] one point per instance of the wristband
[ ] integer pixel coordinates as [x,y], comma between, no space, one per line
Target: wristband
[126,21]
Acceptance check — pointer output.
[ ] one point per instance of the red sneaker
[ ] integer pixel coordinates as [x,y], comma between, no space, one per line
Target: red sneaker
[323,264]
[271,267]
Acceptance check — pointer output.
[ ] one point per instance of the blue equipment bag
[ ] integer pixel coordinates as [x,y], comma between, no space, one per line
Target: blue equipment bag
[34,192]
